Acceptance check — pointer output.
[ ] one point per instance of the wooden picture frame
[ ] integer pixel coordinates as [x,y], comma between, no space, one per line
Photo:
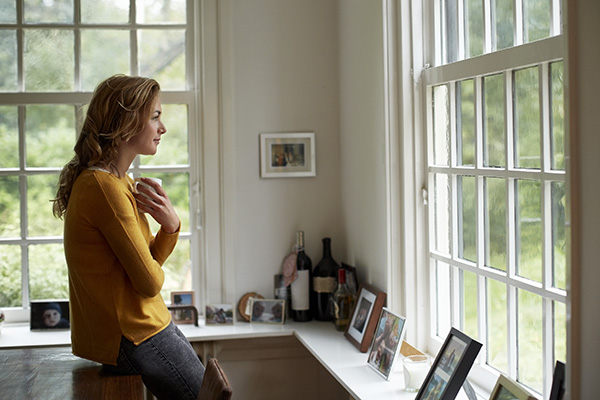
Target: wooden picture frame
[450,368]
[49,315]
[219,314]
[267,311]
[287,155]
[507,388]
[386,342]
[365,314]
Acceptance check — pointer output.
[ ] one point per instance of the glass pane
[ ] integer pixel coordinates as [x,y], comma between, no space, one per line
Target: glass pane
[105,11]
[536,19]
[473,27]
[441,126]
[162,57]
[174,146]
[95,65]
[9,137]
[44,11]
[48,277]
[527,118]
[41,189]
[530,339]
[10,276]
[504,13]
[558,115]
[178,271]
[442,213]
[161,11]
[49,135]
[494,121]
[8,12]
[559,235]
[465,119]
[467,218]
[495,223]
[8,60]
[497,324]
[49,59]
[560,331]
[443,300]
[450,34]
[529,230]
[10,219]
[469,303]
[177,188]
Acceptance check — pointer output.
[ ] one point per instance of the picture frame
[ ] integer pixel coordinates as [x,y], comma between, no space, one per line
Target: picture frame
[49,315]
[267,311]
[386,342]
[365,314]
[219,314]
[508,389]
[450,368]
[287,155]
[182,308]
[351,277]
[558,389]
[182,298]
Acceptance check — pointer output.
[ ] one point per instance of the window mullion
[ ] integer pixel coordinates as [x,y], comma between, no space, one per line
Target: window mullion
[488,41]
[519,33]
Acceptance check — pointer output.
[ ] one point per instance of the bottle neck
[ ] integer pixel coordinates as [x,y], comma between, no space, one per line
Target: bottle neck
[326,248]
[341,276]
[299,241]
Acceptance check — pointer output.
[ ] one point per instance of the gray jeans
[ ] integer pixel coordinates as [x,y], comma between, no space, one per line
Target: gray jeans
[168,364]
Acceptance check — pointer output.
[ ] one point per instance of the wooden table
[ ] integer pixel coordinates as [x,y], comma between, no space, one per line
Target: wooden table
[55,373]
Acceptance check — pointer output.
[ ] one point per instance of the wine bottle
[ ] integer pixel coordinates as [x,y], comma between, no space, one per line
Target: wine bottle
[324,282]
[301,287]
[342,302]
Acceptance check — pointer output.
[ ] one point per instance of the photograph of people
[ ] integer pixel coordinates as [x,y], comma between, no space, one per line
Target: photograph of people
[118,316]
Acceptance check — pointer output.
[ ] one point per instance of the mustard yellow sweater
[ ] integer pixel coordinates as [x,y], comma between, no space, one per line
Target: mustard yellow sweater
[115,267]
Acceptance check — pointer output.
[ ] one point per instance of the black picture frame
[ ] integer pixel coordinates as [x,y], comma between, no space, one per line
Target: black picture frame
[49,315]
[450,368]
[557,392]
[365,314]
[507,388]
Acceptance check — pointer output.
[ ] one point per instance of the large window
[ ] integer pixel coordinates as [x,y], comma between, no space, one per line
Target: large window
[52,54]
[496,172]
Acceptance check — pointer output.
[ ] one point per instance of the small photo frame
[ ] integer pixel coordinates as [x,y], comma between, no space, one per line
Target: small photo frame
[368,306]
[182,310]
[267,311]
[351,277]
[557,392]
[450,368]
[182,298]
[219,314]
[508,389]
[386,342]
[287,155]
[49,315]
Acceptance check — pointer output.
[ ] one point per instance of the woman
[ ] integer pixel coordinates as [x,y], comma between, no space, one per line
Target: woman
[118,317]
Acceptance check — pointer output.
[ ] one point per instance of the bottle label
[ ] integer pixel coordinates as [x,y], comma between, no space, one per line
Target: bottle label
[324,284]
[300,289]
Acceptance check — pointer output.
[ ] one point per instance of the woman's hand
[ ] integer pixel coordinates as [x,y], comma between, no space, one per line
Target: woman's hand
[158,205]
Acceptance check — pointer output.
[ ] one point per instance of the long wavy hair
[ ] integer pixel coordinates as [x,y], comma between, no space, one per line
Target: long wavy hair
[119,109]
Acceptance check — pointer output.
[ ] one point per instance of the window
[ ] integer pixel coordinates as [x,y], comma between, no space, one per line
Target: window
[52,54]
[496,173]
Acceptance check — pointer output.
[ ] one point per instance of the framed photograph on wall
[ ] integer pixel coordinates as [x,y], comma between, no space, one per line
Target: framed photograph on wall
[386,342]
[49,314]
[267,311]
[368,305]
[287,155]
[219,314]
[450,368]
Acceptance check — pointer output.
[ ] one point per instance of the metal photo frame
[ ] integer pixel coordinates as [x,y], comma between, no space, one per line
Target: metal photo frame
[287,155]
[386,342]
[267,311]
[365,314]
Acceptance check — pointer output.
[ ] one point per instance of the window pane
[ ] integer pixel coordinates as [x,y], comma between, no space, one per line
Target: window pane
[177,188]
[48,277]
[529,230]
[497,324]
[178,271]
[465,119]
[505,23]
[474,27]
[8,60]
[442,213]
[10,219]
[161,11]
[441,126]
[558,116]
[49,59]
[443,300]
[174,147]
[8,12]
[527,118]
[467,218]
[44,11]
[495,223]
[95,65]
[49,134]
[9,137]
[494,121]
[536,19]
[530,338]
[41,189]
[469,303]
[162,57]
[10,276]
[559,235]
[105,11]
[560,331]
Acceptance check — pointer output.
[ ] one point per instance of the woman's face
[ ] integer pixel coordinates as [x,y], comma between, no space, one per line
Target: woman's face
[146,142]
